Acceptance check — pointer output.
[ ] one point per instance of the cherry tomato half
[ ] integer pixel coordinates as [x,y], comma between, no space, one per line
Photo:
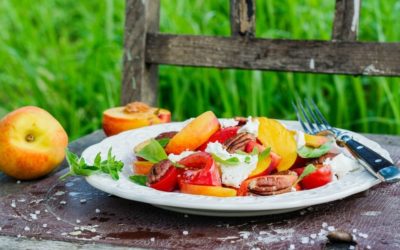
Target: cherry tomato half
[322,176]
[200,169]
[220,136]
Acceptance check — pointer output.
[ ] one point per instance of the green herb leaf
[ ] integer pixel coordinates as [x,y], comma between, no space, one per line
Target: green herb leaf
[309,152]
[164,141]
[152,152]
[264,154]
[139,179]
[177,165]
[307,171]
[78,167]
[230,161]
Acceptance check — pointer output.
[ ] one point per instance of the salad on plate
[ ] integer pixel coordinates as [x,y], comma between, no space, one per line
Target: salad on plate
[239,157]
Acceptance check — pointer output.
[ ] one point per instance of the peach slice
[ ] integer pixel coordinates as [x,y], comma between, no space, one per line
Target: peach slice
[315,141]
[142,167]
[272,133]
[133,115]
[194,134]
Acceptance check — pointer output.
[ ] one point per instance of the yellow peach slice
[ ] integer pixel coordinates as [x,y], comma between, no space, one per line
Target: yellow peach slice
[315,141]
[273,134]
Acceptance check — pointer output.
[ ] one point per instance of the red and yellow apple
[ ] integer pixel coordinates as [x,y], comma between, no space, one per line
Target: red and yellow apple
[194,134]
[133,115]
[32,143]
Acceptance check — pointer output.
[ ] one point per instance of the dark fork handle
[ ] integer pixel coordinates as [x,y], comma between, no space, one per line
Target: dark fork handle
[374,162]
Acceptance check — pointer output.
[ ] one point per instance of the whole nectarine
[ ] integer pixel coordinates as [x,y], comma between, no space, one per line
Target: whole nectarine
[32,143]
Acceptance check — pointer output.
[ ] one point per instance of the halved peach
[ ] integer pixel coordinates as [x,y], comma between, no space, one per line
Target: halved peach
[273,134]
[194,134]
[116,120]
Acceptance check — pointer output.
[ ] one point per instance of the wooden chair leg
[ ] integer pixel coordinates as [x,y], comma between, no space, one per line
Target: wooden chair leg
[140,80]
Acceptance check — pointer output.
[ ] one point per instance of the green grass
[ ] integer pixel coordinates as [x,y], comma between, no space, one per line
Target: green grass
[65,56]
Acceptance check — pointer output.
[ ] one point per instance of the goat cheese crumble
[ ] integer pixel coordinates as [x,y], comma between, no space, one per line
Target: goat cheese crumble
[250,127]
[233,175]
[176,158]
[300,139]
[226,123]
[342,165]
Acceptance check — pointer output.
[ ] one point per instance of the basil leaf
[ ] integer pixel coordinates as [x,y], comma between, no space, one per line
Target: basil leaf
[264,154]
[309,152]
[307,171]
[163,142]
[139,179]
[230,161]
[152,152]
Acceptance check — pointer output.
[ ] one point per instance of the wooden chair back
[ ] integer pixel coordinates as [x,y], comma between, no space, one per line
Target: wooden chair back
[146,48]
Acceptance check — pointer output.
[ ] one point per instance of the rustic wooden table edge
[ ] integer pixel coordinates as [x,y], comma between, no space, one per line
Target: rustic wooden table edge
[390,142]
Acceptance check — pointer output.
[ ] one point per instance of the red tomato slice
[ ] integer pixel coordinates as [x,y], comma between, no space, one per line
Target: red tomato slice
[200,170]
[251,145]
[168,182]
[321,177]
[220,136]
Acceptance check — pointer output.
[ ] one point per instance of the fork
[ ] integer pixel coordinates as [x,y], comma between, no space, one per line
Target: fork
[312,121]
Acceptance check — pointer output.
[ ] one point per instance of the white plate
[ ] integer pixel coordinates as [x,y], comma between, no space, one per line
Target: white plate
[122,147]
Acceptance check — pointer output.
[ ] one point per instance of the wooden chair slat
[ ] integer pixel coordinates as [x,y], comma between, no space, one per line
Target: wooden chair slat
[140,80]
[355,58]
[345,25]
[243,18]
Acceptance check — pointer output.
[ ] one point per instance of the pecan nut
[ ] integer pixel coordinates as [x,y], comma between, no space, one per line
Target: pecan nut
[165,135]
[271,184]
[321,159]
[238,142]
[159,170]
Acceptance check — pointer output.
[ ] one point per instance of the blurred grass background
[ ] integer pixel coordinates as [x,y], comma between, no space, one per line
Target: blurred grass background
[66,56]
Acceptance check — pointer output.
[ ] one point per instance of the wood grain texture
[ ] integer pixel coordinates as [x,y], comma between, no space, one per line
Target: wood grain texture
[345,24]
[354,58]
[243,18]
[139,79]
[133,224]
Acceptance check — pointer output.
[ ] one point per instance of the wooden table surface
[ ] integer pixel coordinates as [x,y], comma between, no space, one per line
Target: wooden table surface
[50,214]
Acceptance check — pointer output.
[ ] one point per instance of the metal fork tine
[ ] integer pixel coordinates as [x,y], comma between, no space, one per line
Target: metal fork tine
[310,123]
[303,125]
[320,116]
[313,116]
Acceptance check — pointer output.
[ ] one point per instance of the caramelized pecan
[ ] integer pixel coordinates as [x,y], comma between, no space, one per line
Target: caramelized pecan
[238,142]
[135,107]
[271,184]
[242,120]
[159,170]
[321,159]
[166,135]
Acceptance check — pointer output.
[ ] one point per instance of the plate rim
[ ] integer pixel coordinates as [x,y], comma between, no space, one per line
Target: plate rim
[215,203]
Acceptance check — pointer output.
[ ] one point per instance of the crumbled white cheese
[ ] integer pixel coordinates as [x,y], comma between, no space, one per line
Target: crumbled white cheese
[331,228]
[176,158]
[97,211]
[33,216]
[251,126]
[226,123]
[300,139]
[185,232]
[233,175]
[341,165]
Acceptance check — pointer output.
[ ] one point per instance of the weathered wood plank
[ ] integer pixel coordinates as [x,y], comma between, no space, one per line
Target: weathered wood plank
[355,58]
[243,18]
[139,79]
[345,25]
